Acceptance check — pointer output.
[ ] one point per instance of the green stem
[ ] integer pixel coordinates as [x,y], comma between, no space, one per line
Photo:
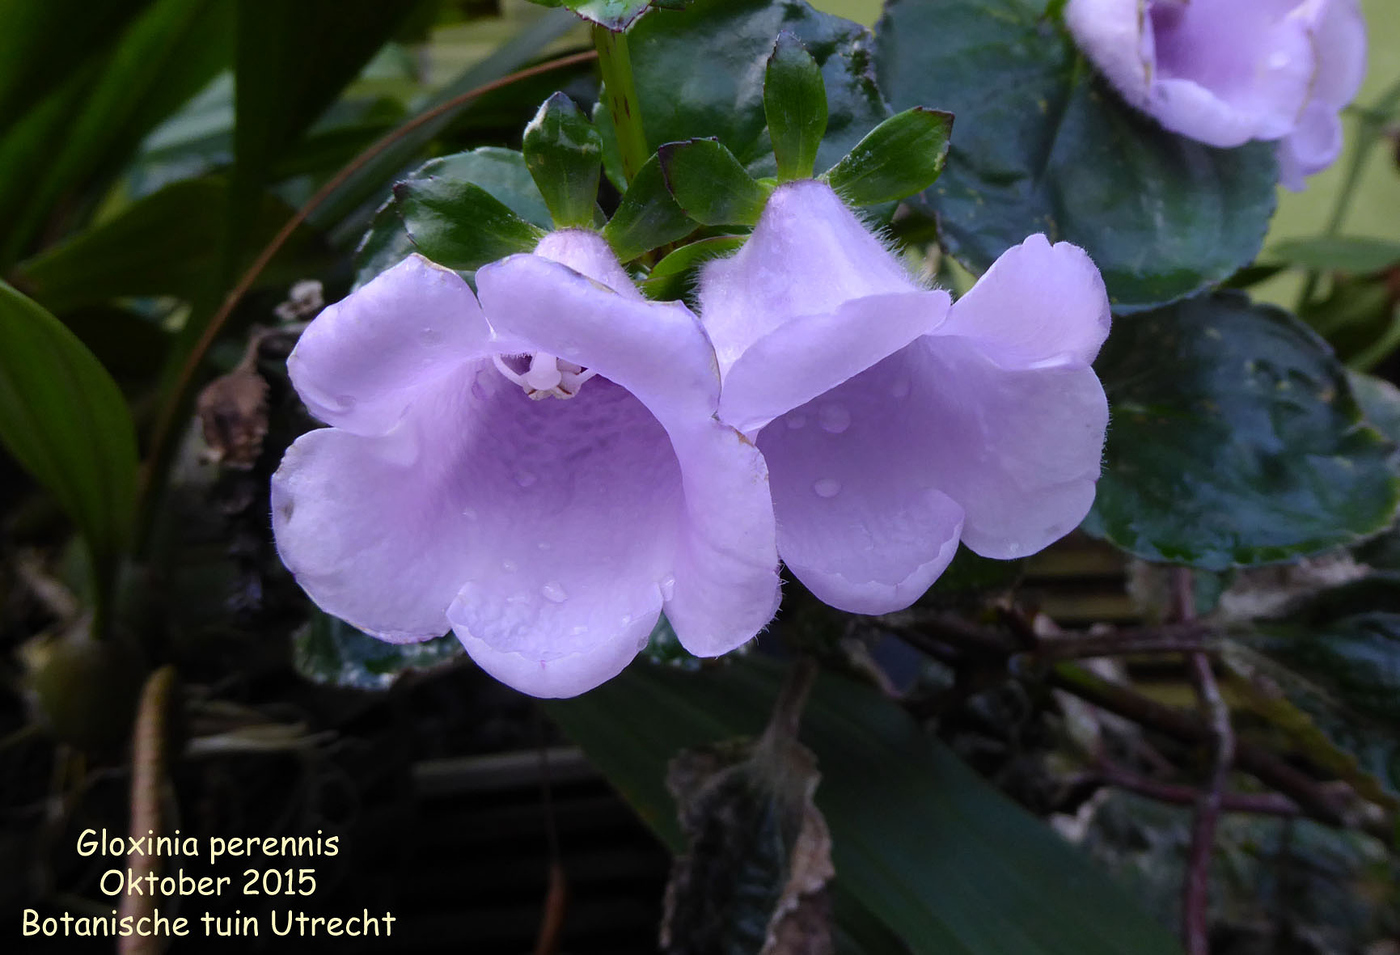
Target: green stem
[616,67]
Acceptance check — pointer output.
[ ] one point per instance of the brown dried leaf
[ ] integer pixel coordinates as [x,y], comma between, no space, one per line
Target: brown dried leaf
[233,413]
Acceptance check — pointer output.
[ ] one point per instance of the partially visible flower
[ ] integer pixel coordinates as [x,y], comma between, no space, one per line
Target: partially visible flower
[1228,71]
[548,534]
[894,425]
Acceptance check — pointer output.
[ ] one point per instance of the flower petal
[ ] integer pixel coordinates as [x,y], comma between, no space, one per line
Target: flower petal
[726,583]
[1111,34]
[367,358]
[1038,304]
[656,350]
[860,521]
[1019,449]
[808,251]
[812,354]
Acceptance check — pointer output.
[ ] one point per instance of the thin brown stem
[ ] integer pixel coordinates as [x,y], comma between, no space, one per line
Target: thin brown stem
[1265,804]
[165,423]
[1195,903]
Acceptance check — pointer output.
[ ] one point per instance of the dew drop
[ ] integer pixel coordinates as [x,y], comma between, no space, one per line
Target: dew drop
[525,478]
[469,513]
[509,566]
[554,592]
[545,545]
[626,619]
[795,421]
[668,588]
[578,631]
[826,487]
[834,417]
[430,336]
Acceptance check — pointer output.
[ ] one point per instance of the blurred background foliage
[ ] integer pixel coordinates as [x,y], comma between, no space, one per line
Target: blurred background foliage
[986,790]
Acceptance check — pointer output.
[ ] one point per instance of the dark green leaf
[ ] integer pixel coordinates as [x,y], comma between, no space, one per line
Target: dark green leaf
[919,841]
[170,51]
[1337,253]
[700,73]
[709,184]
[292,61]
[501,172]
[376,174]
[614,15]
[1379,401]
[647,217]
[794,103]
[1235,440]
[459,224]
[43,41]
[901,156]
[329,650]
[565,156]
[64,420]
[1044,146]
[165,244]
[1331,693]
[674,275]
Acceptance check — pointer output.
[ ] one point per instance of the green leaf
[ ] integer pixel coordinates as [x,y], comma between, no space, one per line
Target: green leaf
[1043,145]
[673,276]
[614,15]
[292,61]
[565,156]
[43,41]
[901,156]
[1337,253]
[501,172]
[1323,690]
[459,224]
[794,103]
[647,217]
[700,73]
[1235,440]
[78,136]
[709,184]
[919,841]
[64,420]
[376,174]
[328,650]
[165,244]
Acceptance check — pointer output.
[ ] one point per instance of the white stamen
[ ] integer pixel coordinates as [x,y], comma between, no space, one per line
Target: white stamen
[546,376]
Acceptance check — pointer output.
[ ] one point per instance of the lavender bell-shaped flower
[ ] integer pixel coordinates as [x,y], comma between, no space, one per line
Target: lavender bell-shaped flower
[541,473]
[1228,71]
[893,424]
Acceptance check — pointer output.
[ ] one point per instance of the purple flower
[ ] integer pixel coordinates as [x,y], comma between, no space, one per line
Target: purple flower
[1228,71]
[542,473]
[893,424]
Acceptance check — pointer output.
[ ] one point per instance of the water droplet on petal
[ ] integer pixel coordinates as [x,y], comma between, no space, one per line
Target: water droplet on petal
[469,513]
[626,619]
[578,630]
[668,588]
[509,566]
[834,417]
[344,404]
[430,336]
[525,478]
[900,387]
[795,421]
[545,545]
[554,592]
[826,487]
